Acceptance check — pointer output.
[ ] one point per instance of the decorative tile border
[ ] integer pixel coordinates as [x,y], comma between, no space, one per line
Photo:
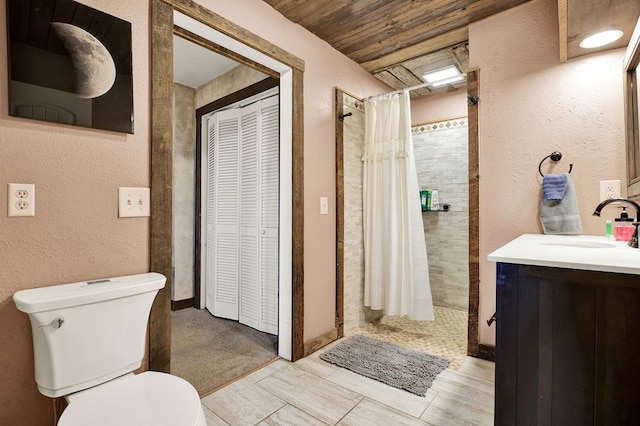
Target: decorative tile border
[440,125]
[352,102]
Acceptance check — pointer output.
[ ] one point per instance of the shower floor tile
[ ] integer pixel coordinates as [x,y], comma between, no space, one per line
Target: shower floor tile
[446,336]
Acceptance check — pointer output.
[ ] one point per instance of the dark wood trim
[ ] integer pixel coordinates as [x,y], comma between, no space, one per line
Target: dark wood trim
[254,89]
[161,167]
[320,342]
[298,216]
[486,352]
[563,29]
[176,305]
[161,181]
[473,347]
[339,103]
[630,65]
[208,44]
[236,32]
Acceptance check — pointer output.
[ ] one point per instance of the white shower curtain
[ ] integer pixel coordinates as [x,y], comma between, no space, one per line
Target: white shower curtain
[396,273]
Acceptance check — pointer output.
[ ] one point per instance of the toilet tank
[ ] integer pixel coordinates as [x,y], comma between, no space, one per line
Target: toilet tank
[87,333]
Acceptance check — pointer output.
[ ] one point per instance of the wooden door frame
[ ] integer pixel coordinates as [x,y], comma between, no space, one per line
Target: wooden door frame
[474,348]
[161,167]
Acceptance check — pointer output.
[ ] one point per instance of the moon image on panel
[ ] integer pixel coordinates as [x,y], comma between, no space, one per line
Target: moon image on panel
[93,65]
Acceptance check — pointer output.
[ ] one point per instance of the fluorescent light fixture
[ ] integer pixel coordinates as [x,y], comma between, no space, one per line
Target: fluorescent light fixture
[600,39]
[446,81]
[442,74]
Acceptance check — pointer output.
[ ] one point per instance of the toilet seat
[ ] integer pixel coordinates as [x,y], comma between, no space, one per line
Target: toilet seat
[148,398]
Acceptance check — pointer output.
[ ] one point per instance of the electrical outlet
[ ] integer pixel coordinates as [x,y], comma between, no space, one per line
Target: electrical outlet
[134,202]
[609,189]
[22,199]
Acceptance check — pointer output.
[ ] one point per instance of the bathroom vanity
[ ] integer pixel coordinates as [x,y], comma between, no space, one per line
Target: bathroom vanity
[568,331]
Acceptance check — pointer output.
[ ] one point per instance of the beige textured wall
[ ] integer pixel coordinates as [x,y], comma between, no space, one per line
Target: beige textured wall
[325,68]
[438,107]
[229,82]
[531,105]
[76,233]
[184,164]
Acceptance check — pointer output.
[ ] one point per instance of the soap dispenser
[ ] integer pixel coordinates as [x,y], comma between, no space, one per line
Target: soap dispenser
[624,227]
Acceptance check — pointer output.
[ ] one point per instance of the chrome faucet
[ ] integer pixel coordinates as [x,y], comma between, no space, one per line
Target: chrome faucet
[633,242]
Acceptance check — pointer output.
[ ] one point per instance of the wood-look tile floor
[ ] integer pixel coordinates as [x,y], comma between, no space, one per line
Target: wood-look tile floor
[314,392]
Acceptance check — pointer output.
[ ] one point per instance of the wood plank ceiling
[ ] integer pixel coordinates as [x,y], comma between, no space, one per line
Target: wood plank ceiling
[580,18]
[395,40]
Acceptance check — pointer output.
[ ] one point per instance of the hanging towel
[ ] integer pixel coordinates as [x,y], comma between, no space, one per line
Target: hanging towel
[554,186]
[561,216]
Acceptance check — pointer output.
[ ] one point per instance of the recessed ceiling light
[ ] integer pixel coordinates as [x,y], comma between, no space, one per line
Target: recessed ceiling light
[446,81]
[600,39]
[442,74]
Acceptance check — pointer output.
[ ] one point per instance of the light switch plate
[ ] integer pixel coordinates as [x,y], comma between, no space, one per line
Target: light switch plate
[134,202]
[324,205]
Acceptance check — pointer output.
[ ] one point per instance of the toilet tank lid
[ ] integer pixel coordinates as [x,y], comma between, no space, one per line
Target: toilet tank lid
[85,292]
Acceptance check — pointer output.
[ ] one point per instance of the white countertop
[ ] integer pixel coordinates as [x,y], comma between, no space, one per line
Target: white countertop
[586,252]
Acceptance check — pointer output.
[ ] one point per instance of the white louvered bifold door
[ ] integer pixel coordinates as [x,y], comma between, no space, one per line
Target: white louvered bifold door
[223,209]
[242,210]
[249,308]
[269,208]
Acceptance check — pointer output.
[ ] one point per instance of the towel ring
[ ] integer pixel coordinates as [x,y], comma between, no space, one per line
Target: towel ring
[555,156]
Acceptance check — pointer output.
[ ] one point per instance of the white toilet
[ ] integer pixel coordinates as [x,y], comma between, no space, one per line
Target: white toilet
[88,338]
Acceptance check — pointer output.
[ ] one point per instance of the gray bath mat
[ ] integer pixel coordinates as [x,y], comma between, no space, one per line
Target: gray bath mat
[385,362]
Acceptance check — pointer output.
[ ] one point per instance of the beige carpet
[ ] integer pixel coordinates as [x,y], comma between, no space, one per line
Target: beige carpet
[446,336]
[209,352]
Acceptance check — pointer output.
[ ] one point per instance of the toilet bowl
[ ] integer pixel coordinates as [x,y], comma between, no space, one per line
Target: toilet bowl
[148,398]
[88,338]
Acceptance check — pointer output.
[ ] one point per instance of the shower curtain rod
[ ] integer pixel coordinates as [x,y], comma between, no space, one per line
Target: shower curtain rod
[408,89]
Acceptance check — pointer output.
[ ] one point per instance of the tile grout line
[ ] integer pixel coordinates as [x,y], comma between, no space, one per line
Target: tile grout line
[352,408]
[319,378]
[428,404]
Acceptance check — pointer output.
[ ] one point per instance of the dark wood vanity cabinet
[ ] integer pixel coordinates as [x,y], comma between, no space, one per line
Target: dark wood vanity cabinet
[567,347]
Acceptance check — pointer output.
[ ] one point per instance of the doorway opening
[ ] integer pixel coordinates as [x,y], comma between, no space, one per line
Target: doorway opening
[211,166]
[204,27]
[454,333]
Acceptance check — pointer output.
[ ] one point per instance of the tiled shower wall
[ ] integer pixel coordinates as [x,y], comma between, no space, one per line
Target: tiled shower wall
[441,151]
[353,142]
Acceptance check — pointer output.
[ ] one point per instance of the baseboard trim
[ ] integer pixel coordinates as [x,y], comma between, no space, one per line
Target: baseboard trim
[319,342]
[176,305]
[487,352]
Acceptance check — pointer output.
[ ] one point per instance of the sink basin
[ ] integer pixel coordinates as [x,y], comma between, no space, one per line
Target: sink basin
[582,252]
[579,244]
